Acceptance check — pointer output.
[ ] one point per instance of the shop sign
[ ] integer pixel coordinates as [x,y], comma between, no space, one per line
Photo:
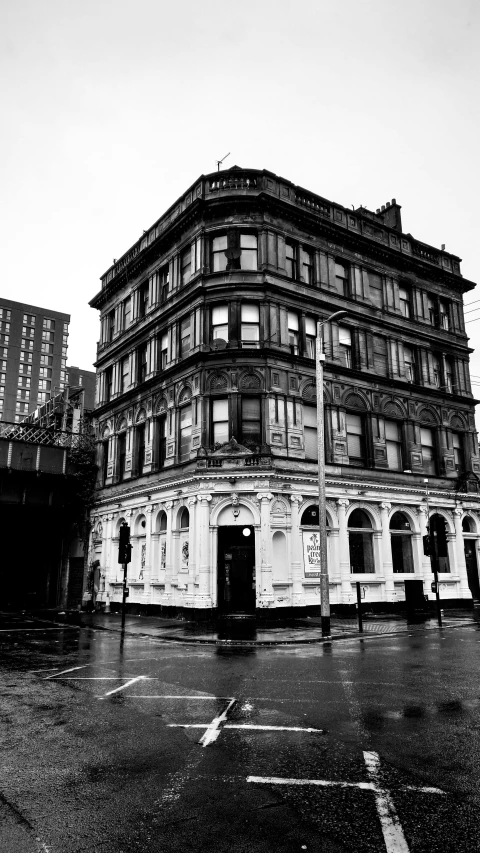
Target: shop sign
[311,554]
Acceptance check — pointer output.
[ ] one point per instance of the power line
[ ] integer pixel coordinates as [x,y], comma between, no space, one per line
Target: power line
[467,304]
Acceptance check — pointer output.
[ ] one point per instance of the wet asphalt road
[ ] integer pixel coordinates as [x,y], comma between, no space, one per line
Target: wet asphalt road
[155,746]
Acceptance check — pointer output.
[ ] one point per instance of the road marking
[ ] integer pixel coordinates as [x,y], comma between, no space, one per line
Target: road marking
[124,686]
[272,728]
[245,726]
[28,630]
[164,696]
[64,672]
[395,841]
[213,729]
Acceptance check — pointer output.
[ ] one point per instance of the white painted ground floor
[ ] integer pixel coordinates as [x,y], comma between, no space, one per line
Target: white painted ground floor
[253,545]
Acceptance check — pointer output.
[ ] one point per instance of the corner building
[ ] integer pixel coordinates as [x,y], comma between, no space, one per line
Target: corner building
[206,406]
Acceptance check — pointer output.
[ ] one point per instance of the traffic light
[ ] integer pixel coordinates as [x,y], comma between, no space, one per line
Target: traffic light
[427,545]
[124,547]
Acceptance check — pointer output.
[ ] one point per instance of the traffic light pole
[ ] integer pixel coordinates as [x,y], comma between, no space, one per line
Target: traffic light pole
[124,557]
[432,538]
[124,594]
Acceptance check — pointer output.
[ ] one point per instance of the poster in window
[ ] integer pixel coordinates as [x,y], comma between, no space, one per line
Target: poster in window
[311,554]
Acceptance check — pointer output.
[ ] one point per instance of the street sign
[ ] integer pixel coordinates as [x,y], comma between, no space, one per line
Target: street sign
[434,586]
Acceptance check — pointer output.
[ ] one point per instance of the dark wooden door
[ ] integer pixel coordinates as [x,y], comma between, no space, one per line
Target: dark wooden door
[472,567]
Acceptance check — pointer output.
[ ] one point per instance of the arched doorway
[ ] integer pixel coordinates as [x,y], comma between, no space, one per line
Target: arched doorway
[401,539]
[236,561]
[470,548]
[360,538]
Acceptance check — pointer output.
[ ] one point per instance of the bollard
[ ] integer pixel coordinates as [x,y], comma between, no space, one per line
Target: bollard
[107,603]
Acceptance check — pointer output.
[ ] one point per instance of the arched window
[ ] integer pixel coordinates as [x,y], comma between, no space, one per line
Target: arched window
[162,522]
[438,529]
[360,537]
[467,525]
[401,539]
[184,520]
[310,517]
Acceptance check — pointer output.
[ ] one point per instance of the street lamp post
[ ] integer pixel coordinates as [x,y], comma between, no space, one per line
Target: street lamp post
[322,500]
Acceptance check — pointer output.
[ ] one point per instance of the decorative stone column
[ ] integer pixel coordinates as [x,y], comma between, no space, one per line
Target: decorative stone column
[344,552]
[460,554]
[192,546]
[169,554]
[266,597]
[386,552]
[298,594]
[204,572]
[147,571]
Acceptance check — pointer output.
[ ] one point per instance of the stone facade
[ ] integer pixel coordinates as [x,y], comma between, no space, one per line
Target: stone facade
[206,405]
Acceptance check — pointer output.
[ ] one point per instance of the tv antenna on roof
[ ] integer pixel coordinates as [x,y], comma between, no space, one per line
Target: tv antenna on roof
[219,162]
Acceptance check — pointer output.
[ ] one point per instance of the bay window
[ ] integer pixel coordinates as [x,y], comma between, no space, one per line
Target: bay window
[293,334]
[393,441]
[310,434]
[219,322]
[310,336]
[251,420]
[185,438]
[250,325]
[345,346]
[184,337]
[355,439]
[220,431]
[428,451]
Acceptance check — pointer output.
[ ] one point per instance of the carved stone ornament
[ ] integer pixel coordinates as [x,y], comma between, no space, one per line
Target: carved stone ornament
[235,500]
[218,382]
[386,506]
[192,500]
[204,498]
[185,552]
[230,448]
[163,554]
[296,499]
[250,382]
[168,504]
[343,502]
[309,393]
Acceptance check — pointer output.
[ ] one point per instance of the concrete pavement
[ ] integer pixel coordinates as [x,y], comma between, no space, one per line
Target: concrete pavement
[250,632]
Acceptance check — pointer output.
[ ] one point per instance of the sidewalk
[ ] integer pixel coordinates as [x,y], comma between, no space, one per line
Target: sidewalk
[247,632]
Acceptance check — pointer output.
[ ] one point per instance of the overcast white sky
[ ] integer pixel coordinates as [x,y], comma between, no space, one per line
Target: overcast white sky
[110,109]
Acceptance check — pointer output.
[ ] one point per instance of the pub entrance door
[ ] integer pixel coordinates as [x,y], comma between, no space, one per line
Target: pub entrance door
[236,569]
[472,567]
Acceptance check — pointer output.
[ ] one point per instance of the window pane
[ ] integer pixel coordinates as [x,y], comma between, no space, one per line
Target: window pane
[293,321]
[250,313]
[220,410]
[344,336]
[220,314]
[248,241]
[310,416]
[310,326]
[392,430]
[354,424]
[426,436]
[250,333]
[219,244]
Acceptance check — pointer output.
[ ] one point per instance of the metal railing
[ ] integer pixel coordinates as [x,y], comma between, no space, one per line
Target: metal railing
[46,436]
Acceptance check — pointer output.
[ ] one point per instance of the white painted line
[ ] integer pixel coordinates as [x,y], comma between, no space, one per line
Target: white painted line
[124,686]
[27,630]
[46,669]
[271,728]
[164,696]
[64,671]
[328,783]
[323,783]
[213,729]
[187,725]
[395,841]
